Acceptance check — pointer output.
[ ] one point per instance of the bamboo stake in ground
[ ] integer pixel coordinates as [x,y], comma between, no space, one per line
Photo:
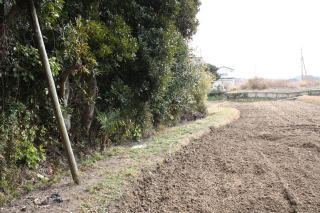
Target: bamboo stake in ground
[53,94]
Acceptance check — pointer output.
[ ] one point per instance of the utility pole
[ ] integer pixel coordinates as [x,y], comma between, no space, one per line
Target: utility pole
[53,93]
[302,78]
[303,68]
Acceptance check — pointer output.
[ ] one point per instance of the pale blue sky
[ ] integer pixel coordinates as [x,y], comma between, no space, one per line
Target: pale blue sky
[260,37]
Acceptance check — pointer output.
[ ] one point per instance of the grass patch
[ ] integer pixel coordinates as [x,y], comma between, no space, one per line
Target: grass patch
[105,191]
[250,99]
[42,183]
[216,98]
[220,98]
[6,198]
[90,161]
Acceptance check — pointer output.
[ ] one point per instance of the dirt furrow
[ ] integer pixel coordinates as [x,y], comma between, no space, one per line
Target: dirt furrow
[267,161]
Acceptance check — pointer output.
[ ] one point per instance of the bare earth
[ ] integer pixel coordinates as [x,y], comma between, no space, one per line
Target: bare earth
[267,161]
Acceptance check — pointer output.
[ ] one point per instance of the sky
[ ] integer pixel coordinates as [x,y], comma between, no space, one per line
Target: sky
[260,37]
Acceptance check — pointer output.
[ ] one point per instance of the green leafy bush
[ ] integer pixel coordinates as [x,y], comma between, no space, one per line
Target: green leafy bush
[122,70]
[18,148]
[18,136]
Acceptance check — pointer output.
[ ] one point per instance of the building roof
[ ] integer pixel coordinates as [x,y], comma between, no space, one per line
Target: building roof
[225,72]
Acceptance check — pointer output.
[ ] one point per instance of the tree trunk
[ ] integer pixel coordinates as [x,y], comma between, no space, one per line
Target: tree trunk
[65,99]
[6,7]
[65,93]
[2,12]
[10,16]
[88,110]
[103,141]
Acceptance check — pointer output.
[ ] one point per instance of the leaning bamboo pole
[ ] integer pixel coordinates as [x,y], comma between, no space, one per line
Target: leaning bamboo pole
[53,93]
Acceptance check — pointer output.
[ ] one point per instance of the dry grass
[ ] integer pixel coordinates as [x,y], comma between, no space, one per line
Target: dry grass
[310,99]
[262,83]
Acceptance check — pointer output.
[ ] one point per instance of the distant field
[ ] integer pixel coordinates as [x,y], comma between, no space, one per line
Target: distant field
[280,90]
[272,84]
[310,99]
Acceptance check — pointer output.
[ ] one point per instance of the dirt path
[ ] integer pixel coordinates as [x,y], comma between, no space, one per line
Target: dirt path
[106,175]
[267,161]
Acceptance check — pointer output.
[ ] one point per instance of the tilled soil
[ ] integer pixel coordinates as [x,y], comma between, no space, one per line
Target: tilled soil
[267,161]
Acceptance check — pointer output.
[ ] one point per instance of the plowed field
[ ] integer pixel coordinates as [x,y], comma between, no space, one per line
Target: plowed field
[267,161]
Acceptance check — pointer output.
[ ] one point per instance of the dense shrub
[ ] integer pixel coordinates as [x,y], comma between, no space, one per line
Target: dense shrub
[255,83]
[122,69]
[22,143]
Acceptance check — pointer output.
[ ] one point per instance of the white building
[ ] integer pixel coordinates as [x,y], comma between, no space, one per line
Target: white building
[226,81]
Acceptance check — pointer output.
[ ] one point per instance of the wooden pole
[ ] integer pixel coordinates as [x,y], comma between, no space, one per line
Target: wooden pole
[302,74]
[53,93]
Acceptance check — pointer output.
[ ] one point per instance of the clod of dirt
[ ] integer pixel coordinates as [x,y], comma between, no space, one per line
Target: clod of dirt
[270,137]
[23,208]
[41,202]
[259,170]
[311,145]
